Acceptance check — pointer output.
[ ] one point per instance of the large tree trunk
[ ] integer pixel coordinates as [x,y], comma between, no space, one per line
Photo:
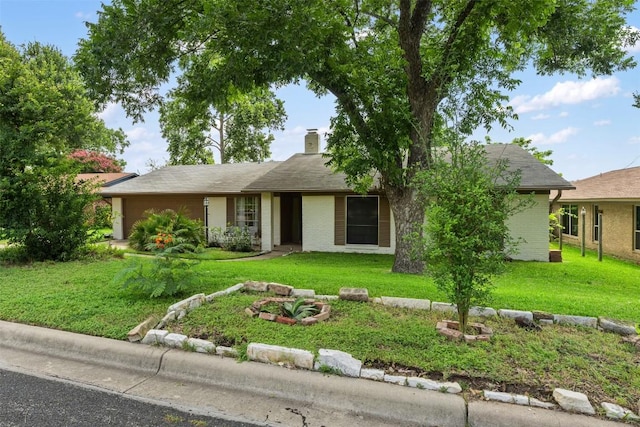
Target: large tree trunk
[408,215]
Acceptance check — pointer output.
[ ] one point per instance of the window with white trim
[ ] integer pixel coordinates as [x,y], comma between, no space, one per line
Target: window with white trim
[247,213]
[636,233]
[570,220]
[362,220]
[596,222]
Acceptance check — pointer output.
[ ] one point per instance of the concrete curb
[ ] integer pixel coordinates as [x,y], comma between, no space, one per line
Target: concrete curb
[81,348]
[395,405]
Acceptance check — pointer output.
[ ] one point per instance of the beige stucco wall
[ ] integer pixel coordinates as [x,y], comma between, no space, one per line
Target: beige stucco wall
[266,222]
[531,227]
[116,215]
[318,228]
[617,228]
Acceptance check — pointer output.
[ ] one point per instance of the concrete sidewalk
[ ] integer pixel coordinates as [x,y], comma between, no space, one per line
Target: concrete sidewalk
[250,391]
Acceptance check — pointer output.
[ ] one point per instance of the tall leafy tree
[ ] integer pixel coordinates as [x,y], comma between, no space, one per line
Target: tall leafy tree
[402,71]
[44,115]
[234,128]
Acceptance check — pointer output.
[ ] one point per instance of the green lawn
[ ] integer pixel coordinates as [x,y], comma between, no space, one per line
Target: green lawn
[81,297]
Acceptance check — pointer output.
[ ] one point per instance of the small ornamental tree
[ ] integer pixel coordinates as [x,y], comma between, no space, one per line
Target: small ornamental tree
[466,239]
[96,162]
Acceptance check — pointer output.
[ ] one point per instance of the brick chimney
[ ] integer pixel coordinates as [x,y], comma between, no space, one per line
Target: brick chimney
[312,142]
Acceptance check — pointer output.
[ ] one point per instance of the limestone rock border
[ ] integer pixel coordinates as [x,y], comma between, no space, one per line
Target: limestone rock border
[338,362]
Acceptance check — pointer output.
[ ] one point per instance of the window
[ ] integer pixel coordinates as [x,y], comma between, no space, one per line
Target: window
[362,220]
[247,213]
[637,229]
[570,220]
[596,222]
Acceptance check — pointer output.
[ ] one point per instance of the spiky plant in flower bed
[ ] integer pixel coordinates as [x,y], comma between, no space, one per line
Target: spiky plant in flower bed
[298,309]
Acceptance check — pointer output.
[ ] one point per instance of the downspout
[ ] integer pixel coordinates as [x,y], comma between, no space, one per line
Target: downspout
[555,199]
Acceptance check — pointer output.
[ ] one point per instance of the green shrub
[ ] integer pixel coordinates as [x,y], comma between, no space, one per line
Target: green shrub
[166,275]
[234,239]
[167,229]
[102,216]
[14,254]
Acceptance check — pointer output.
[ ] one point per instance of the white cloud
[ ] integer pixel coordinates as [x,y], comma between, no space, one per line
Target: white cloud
[540,116]
[569,92]
[111,112]
[83,15]
[563,114]
[555,138]
[634,140]
[602,122]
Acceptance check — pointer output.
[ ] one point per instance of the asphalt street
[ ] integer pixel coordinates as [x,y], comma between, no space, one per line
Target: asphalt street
[33,401]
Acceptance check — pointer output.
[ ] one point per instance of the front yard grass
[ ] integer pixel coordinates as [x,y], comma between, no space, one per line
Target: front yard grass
[81,297]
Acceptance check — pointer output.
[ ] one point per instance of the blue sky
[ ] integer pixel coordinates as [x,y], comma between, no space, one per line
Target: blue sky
[589,124]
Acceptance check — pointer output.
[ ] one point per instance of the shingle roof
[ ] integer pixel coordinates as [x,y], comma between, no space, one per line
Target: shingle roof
[193,179]
[622,184]
[308,173]
[535,174]
[106,179]
[301,173]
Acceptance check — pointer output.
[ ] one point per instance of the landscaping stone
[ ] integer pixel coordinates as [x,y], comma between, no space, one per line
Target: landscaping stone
[618,412]
[234,288]
[354,294]
[214,295]
[499,396]
[303,293]
[291,357]
[540,404]
[226,351]
[187,304]
[286,320]
[138,333]
[395,379]
[428,384]
[482,312]
[175,340]
[376,300]
[155,336]
[309,320]
[252,285]
[562,319]
[413,303]
[513,314]
[372,374]
[201,346]
[616,326]
[169,317]
[545,322]
[340,361]
[573,401]
[251,313]
[327,297]
[267,316]
[279,289]
[180,315]
[542,315]
[444,307]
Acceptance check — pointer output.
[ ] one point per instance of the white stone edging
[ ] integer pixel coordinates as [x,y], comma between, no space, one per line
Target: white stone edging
[341,363]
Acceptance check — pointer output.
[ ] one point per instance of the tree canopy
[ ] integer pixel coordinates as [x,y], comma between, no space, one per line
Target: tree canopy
[194,128]
[44,115]
[96,162]
[404,72]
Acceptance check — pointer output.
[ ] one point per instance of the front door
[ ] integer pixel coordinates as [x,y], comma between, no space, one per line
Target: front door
[291,218]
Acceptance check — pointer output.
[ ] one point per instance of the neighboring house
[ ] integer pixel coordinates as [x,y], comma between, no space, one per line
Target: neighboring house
[302,201]
[616,196]
[105,180]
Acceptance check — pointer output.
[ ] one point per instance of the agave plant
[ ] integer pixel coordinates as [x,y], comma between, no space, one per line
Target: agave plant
[298,309]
